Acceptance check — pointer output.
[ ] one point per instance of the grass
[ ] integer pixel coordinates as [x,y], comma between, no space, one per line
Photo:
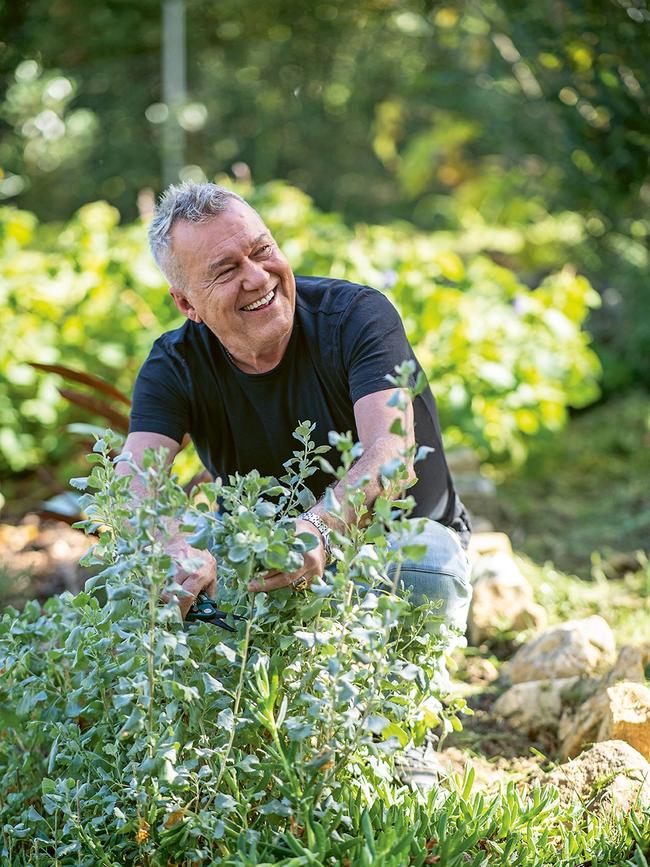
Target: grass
[624,602]
[583,495]
[578,514]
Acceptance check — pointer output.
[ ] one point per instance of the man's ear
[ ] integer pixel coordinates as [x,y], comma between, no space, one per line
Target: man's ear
[184,305]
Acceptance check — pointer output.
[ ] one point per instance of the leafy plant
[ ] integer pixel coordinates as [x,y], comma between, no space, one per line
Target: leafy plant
[146,740]
[128,739]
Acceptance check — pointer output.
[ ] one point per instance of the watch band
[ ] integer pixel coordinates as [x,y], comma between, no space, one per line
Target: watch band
[324,530]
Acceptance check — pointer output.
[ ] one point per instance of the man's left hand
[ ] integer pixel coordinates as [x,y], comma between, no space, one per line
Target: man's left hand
[313,565]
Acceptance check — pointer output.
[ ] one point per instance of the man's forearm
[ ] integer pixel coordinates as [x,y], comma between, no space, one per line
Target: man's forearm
[137,490]
[368,465]
[202,574]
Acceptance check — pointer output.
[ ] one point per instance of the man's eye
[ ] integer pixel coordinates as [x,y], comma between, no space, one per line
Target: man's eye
[262,251]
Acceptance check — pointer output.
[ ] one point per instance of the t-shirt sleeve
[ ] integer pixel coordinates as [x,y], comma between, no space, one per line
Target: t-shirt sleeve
[373,341]
[160,400]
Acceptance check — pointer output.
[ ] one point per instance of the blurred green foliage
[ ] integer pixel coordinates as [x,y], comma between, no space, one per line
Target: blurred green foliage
[448,115]
[593,481]
[504,360]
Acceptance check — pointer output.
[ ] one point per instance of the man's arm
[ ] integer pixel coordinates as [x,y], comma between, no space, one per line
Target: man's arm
[373,419]
[177,546]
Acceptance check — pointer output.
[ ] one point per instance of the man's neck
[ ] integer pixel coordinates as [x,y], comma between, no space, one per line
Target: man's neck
[249,361]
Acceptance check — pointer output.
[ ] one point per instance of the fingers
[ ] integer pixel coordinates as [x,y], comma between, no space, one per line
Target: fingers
[205,579]
[268,581]
[273,582]
[314,564]
[176,593]
[193,584]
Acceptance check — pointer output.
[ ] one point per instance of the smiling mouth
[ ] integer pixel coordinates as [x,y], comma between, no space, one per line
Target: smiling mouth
[266,301]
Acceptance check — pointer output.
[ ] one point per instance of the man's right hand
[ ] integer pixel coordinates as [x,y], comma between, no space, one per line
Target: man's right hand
[204,578]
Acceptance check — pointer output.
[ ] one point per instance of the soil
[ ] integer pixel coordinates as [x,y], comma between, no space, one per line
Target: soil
[38,558]
[497,752]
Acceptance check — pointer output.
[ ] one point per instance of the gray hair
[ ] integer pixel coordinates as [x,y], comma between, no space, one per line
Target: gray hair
[189,201]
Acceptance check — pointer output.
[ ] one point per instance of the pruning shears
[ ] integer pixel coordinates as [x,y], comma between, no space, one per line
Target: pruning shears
[204,610]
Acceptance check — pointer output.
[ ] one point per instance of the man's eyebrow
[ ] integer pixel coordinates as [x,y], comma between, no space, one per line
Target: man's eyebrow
[215,266]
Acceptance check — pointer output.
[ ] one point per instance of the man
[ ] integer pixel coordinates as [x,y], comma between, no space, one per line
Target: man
[261,350]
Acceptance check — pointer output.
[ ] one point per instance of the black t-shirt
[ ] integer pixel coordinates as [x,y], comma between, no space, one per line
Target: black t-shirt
[345,339]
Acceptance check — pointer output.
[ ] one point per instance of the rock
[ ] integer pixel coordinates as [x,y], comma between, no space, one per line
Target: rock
[536,706]
[502,599]
[479,670]
[420,767]
[427,769]
[610,776]
[620,712]
[483,544]
[577,647]
[630,665]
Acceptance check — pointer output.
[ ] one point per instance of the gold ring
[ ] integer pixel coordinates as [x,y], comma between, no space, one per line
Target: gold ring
[300,584]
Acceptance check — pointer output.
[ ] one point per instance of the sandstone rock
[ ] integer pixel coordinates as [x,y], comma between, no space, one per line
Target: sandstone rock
[420,767]
[483,544]
[536,706]
[479,670]
[426,769]
[532,616]
[502,599]
[619,712]
[577,647]
[610,776]
[630,665]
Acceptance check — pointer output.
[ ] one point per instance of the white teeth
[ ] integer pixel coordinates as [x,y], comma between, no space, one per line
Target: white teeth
[261,302]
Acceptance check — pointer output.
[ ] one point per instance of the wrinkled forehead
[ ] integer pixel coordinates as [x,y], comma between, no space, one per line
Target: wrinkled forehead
[227,232]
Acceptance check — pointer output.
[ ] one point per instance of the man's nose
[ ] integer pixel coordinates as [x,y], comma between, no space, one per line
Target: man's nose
[254,276]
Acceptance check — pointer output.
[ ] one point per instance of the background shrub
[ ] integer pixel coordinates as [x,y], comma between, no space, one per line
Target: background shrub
[505,360]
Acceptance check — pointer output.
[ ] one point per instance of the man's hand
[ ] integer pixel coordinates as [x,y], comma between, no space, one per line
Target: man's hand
[313,564]
[204,578]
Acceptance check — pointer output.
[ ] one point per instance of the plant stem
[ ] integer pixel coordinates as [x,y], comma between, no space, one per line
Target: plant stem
[238,691]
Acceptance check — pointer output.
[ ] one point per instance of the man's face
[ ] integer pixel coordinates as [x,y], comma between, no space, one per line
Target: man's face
[229,263]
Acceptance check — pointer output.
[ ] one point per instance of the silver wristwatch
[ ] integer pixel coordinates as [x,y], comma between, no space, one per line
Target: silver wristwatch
[325,531]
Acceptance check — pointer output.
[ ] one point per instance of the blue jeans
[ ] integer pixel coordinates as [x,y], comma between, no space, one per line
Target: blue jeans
[443,573]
